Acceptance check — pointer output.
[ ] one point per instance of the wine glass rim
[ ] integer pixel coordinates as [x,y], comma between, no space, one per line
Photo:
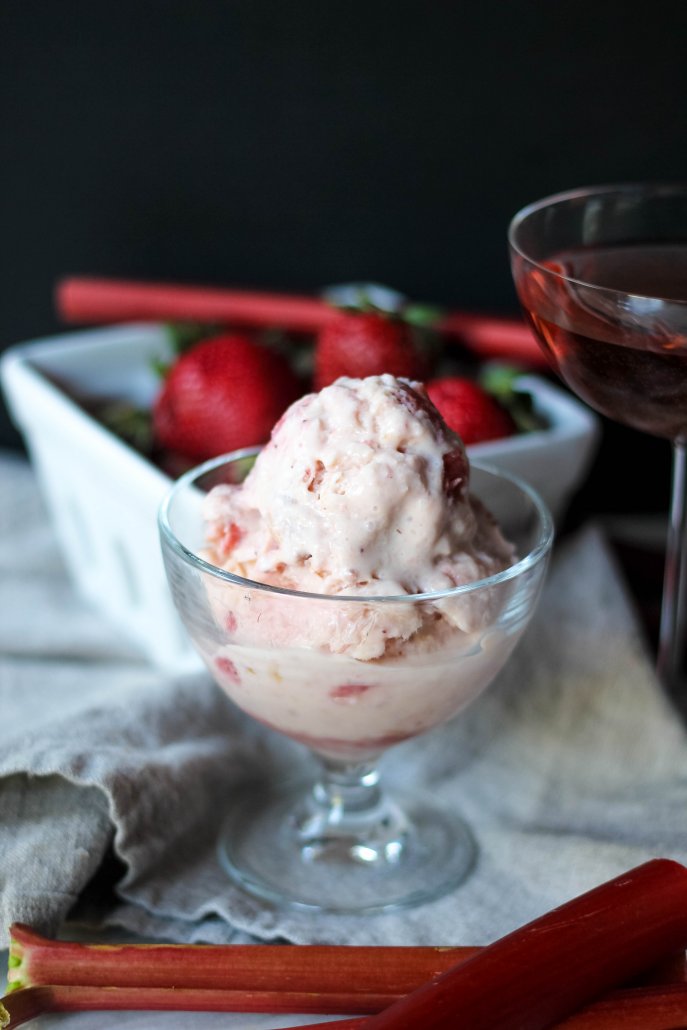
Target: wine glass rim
[539,551]
[654,188]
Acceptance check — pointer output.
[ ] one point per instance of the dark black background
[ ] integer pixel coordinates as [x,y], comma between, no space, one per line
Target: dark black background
[295,144]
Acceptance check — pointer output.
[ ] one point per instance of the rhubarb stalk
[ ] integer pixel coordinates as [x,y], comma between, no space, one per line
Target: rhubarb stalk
[528,980]
[654,1008]
[345,979]
[94,300]
[648,1008]
[27,1003]
[542,973]
[112,300]
[494,336]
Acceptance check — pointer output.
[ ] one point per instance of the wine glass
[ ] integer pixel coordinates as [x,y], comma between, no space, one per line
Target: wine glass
[342,844]
[601,274]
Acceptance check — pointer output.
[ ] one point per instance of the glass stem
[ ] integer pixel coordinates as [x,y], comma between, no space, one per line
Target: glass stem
[670,639]
[347,811]
[347,790]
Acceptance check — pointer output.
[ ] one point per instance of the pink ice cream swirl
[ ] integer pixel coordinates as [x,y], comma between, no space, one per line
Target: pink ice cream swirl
[361,491]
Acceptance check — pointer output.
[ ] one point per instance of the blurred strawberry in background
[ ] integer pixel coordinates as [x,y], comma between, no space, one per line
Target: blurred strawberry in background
[226,387]
[368,343]
[469,410]
[222,394]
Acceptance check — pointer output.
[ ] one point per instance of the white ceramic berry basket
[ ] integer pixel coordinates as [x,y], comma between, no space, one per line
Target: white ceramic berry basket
[103,497]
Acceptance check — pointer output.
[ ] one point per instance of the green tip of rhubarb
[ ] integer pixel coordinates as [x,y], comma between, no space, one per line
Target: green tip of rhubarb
[14,965]
[4,1016]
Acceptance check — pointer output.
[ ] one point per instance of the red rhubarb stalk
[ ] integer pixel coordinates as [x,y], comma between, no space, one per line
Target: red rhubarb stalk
[93,301]
[494,336]
[528,980]
[352,979]
[647,1008]
[113,300]
[387,972]
[657,1008]
[20,1006]
[542,973]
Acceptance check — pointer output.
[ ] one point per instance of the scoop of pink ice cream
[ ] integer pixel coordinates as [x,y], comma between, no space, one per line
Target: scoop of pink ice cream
[361,490]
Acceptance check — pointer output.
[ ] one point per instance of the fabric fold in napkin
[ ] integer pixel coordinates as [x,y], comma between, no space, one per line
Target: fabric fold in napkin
[571,768]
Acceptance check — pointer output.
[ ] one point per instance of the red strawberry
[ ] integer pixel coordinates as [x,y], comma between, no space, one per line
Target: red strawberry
[222,394]
[360,344]
[469,410]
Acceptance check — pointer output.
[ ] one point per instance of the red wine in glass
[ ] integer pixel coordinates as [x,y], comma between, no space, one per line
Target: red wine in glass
[601,274]
[635,374]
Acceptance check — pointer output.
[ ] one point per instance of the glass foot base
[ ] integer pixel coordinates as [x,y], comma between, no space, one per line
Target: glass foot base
[289,849]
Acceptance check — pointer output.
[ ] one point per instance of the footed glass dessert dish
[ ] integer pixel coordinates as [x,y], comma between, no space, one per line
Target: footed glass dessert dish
[349,677]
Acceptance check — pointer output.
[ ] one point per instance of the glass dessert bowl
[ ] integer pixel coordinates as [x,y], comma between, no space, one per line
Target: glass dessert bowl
[349,676]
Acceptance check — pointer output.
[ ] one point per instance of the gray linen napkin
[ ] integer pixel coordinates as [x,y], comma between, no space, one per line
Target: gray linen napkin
[571,768]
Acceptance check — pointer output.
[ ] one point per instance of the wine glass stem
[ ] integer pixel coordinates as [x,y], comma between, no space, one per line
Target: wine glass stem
[670,634]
